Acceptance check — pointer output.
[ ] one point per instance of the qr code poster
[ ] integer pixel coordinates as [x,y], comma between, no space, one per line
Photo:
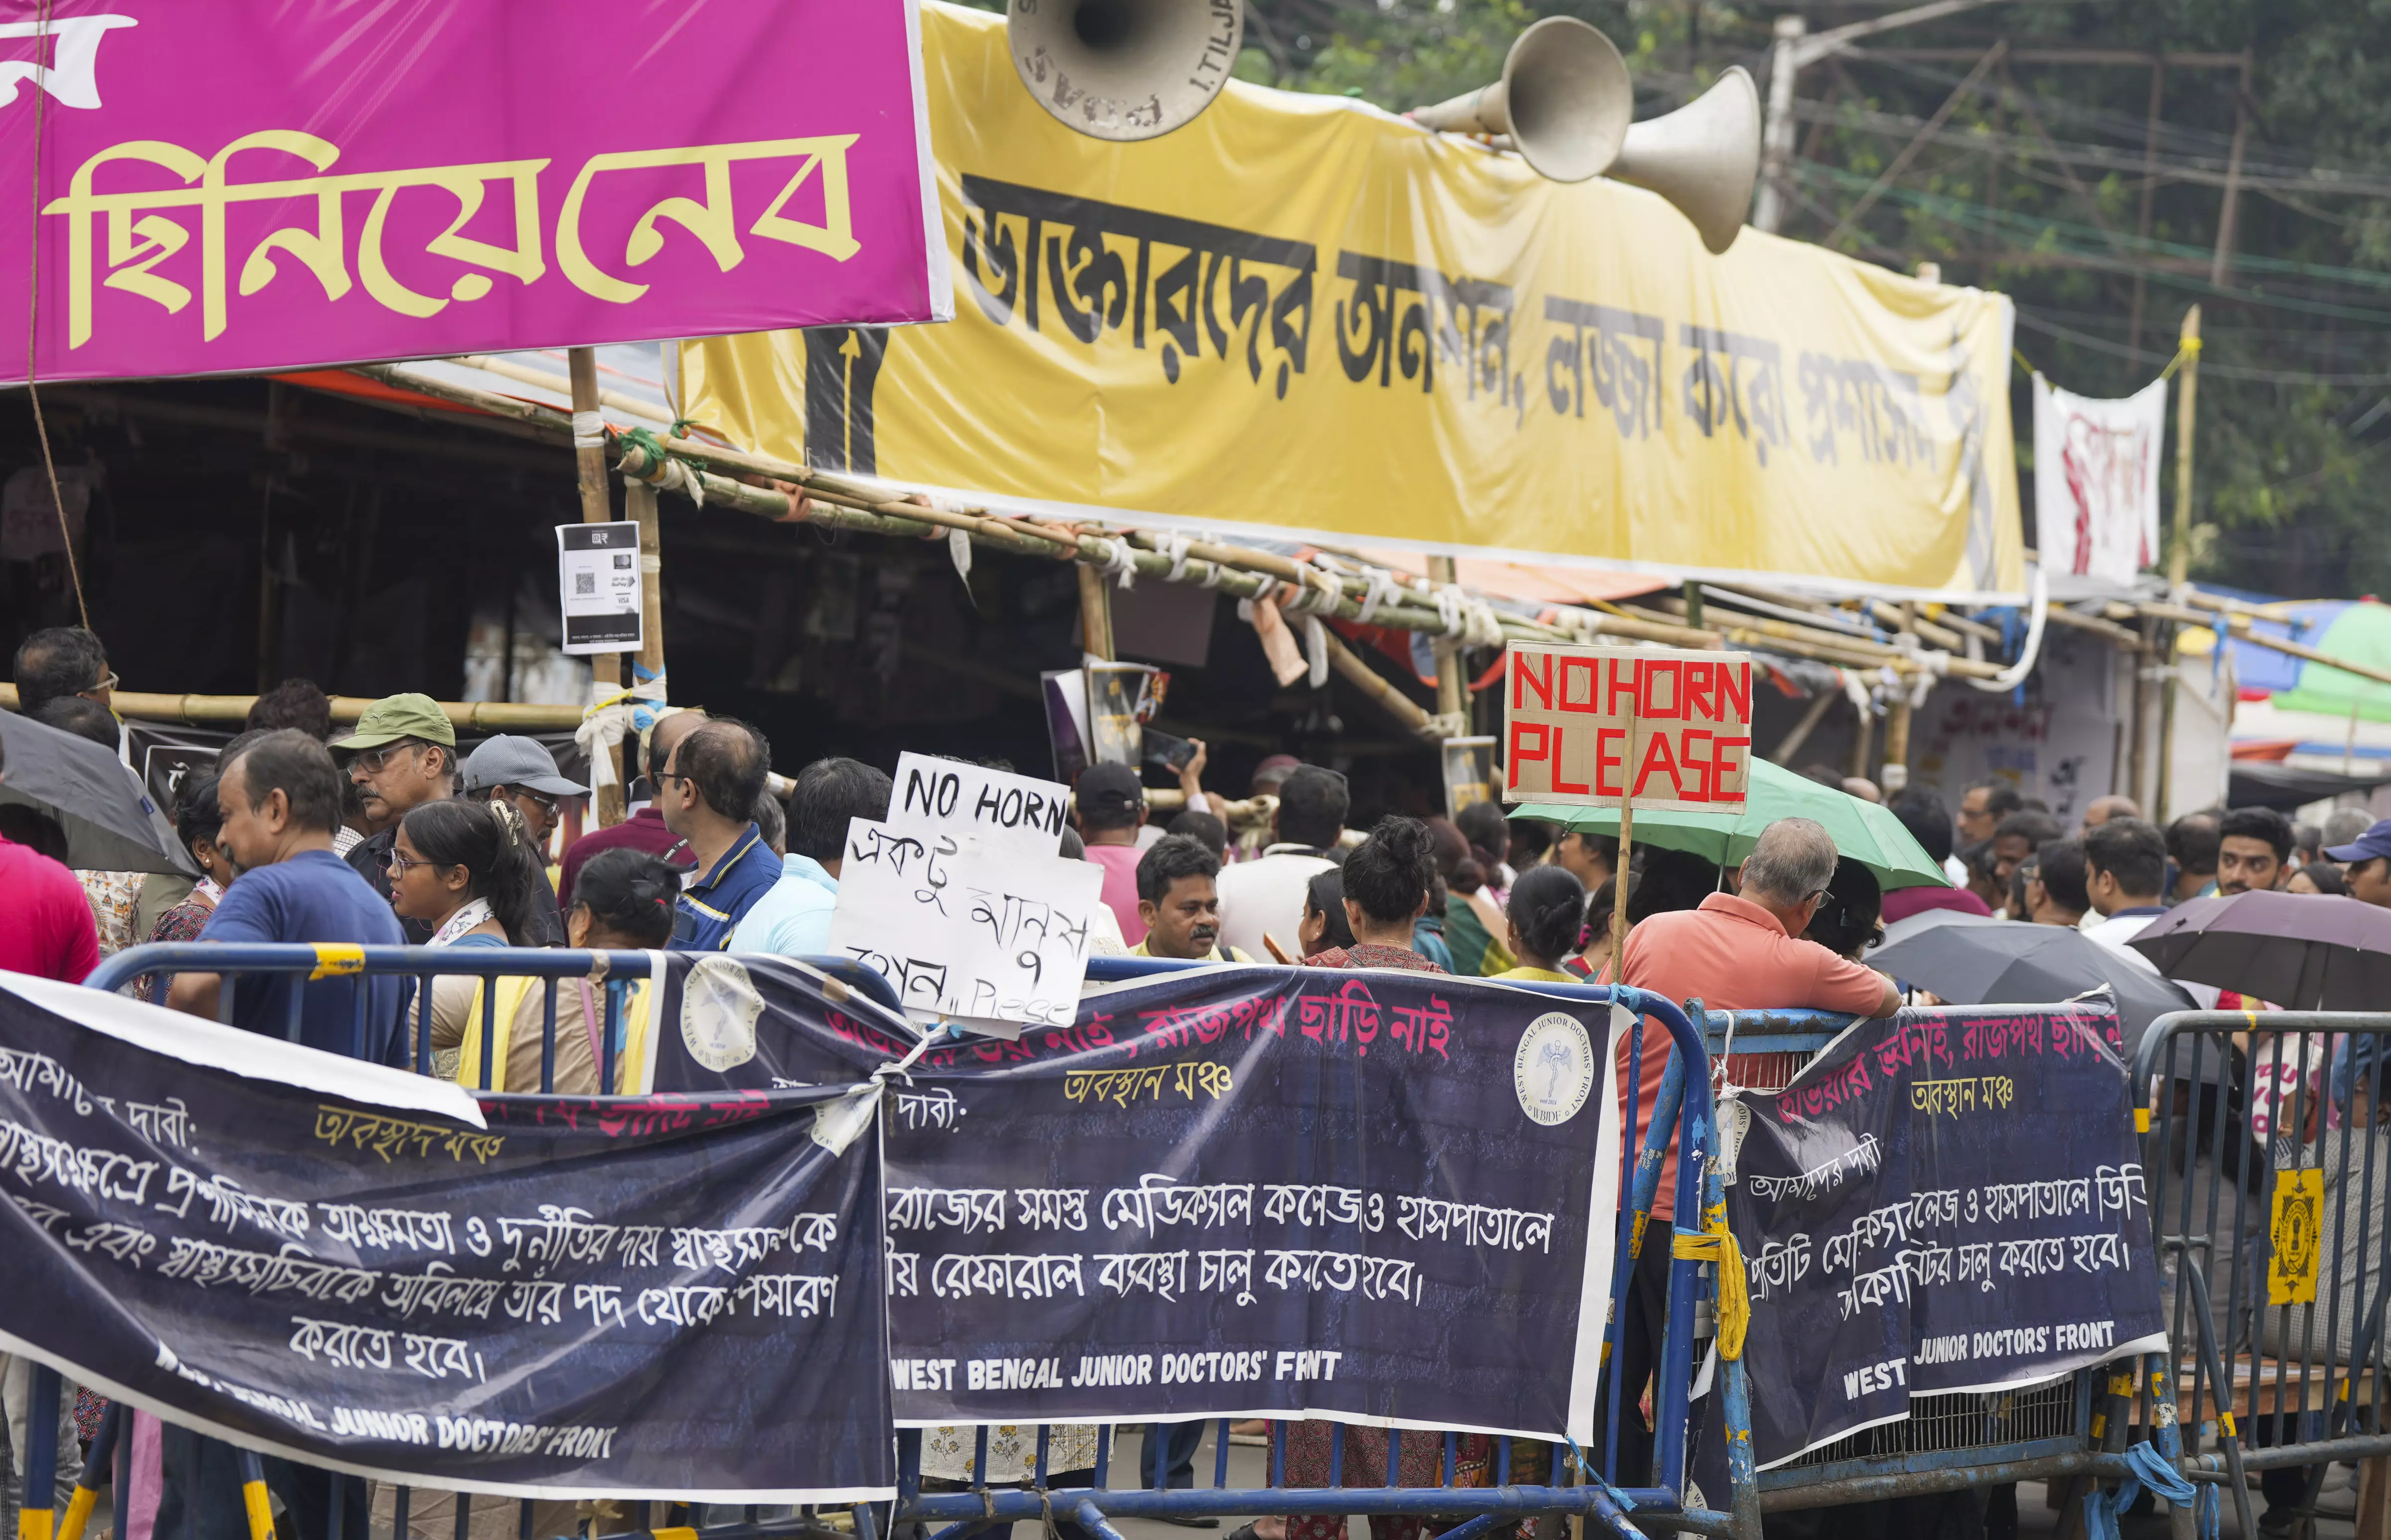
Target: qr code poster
[598,583]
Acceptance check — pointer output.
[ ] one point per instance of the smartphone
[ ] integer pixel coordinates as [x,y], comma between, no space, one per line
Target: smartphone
[1171,753]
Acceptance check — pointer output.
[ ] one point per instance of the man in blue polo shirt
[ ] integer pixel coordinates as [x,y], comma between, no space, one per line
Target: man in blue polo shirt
[704,792]
[281,795]
[792,920]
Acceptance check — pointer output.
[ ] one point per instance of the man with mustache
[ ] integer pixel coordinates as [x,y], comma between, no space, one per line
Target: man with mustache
[1179,904]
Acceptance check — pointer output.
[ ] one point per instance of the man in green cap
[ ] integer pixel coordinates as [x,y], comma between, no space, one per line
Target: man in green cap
[401,755]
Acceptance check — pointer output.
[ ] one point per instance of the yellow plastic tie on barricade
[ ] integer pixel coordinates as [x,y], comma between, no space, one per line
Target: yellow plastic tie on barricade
[1716,1244]
[337,959]
[260,1511]
[682,1533]
[79,1509]
[34,1524]
[2141,1120]
[2225,1420]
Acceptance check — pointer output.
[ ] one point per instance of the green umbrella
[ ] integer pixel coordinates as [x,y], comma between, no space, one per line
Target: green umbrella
[1863,831]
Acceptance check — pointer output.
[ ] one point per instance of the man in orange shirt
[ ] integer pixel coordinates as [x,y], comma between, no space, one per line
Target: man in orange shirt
[1738,951]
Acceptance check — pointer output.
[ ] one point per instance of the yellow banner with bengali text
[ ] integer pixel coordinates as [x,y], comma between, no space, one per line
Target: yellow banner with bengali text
[1305,317]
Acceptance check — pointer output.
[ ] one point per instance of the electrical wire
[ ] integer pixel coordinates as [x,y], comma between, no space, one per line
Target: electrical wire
[2207,367]
[1984,219]
[33,316]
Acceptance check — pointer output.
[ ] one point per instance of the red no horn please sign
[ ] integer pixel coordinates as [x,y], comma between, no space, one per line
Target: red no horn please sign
[1594,724]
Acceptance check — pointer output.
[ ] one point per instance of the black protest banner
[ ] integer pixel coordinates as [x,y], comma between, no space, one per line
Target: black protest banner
[1366,1196]
[1946,1200]
[662,1295]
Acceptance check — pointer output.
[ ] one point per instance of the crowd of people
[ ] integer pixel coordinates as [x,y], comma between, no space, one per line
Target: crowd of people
[385,833]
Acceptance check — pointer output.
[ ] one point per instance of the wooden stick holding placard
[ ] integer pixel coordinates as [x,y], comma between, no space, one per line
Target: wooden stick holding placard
[1627,851]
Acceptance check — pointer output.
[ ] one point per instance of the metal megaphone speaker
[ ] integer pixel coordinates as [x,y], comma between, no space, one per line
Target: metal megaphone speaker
[1124,70]
[1704,157]
[1564,101]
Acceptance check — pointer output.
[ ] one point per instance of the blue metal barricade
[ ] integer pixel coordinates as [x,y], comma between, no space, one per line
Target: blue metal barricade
[1583,1483]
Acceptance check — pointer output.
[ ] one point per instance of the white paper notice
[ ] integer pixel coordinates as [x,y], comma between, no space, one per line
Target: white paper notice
[598,585]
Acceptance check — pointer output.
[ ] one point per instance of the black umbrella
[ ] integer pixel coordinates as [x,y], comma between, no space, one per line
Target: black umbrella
[111,825]
[1969,960]
[2304,952]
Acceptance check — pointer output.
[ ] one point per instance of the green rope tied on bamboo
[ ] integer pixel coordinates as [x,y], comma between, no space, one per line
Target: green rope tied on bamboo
[677,473]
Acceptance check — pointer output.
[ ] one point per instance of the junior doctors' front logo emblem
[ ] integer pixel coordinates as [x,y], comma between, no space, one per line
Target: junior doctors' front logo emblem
[1553,1070]
[720,1007]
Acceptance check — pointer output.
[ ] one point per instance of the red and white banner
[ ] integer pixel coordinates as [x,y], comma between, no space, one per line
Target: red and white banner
[2095,480]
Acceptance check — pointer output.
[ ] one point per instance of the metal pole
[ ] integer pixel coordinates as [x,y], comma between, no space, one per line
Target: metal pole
[1776,133]
[2222,262]
[2149,184]
[597,508]
[2178,546]
[1794,50]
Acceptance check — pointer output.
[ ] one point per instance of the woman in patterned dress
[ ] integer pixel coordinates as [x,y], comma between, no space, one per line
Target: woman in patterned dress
[198,821]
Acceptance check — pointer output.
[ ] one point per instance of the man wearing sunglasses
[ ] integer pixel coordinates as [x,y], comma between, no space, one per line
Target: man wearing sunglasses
[401,755]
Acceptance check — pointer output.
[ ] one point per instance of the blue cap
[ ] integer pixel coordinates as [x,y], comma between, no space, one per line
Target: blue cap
[2374,842]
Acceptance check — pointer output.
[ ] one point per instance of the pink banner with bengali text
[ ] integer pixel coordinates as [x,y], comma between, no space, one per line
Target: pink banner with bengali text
[232,185]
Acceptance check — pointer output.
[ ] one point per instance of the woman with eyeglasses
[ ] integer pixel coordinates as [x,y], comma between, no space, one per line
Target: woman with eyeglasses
[468,871]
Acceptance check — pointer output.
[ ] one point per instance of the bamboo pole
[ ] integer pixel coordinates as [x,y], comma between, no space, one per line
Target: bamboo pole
[640,503]
[795,494]
[1863,740]
[2059,615]
[2138,756]
[1906,618]
[1791,744]
[597,508]
[1402,707]
[506,368]
[1451,688]
[1895,774]
[2238,624]
[198,710]
[917,521]
[1095,614]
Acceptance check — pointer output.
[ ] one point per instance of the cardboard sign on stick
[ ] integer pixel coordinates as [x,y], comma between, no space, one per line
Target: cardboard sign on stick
[963,901]
[1009,812]
[1666,729]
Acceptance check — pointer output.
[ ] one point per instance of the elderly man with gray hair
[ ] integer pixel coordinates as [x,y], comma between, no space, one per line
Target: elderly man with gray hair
[1738,951]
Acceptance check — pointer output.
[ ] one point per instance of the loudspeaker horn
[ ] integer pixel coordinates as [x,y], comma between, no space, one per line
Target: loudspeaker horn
[1565,99]
[1704,157]
[1124,70]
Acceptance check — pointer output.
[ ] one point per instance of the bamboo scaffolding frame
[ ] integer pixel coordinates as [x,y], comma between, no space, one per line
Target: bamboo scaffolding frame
[197,710]
[786,493]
